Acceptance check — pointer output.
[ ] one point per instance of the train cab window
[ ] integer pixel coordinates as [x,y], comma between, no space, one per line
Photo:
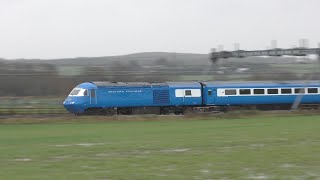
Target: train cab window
[286,91]
[258,91]
[85,93]
[299,90]
[244,91]
[272,91]
[230,92]
[75,92]
[187,92]
[209,92]
[312,90]
[79,92]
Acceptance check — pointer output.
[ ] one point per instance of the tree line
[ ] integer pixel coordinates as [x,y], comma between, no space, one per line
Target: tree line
[44,79]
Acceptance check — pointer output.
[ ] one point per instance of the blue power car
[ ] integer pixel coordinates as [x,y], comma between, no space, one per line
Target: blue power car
[133,98]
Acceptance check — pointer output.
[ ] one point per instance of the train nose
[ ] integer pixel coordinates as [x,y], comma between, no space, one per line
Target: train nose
[74,105]
[70,106]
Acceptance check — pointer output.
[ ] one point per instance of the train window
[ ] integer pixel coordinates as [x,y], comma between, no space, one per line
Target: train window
[75,92]
[230,92]
[85,93]
[93,93]
[312,90]
[299,90]
[272,91]
[286,91]
[258,91]
[187,92]
[209,92]
[244,91]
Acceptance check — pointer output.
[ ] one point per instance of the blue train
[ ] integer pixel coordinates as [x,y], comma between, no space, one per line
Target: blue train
[181,97]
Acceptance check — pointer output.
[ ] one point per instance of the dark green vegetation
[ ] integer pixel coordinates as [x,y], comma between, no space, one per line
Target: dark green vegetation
[175,148]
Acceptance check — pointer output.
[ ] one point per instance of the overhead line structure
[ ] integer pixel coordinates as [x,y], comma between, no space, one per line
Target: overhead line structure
[215,56]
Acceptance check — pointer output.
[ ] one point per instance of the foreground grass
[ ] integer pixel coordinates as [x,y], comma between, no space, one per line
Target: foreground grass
[200,148]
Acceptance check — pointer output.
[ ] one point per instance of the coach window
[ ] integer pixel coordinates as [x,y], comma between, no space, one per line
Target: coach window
[209,92]
[244,91]
[286,91]
[299,90]
[187,92]
[258,91]
[272,91]
[230,92]
[312,90]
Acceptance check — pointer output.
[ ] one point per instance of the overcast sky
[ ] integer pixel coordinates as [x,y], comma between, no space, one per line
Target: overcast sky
[82,28]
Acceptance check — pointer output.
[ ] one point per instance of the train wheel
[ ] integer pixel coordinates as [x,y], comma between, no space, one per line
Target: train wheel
[164,111]
[178,112]
[124,111]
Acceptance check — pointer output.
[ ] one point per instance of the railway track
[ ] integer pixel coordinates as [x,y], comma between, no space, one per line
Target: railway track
[19,112]
[31,116]
[245,113]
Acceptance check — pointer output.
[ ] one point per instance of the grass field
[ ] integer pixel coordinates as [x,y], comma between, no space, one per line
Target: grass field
[272,147]
[298,68]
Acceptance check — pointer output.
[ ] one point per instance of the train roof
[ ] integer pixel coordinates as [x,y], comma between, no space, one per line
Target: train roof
[261,83]
[184,84]
[87,85]
[145,84]
[207,83]
[126,84]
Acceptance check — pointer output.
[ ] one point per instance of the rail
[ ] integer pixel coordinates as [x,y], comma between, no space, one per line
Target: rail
[31,111]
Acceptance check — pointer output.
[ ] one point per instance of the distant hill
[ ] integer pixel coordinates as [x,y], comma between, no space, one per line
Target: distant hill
[150,58]
[142,58]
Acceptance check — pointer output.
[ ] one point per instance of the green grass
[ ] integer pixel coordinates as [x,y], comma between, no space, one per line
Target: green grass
[298,68]
[285,147]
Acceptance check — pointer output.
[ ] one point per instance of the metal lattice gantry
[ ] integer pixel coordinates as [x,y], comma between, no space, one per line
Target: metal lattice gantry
[215,56]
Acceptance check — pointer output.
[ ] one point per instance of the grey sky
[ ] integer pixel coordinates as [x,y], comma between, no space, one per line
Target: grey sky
[77,28]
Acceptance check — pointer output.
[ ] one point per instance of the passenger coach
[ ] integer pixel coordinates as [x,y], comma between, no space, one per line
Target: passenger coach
[260,93]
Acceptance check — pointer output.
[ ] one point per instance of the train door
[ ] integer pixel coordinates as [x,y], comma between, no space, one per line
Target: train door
[210,95]
[93,96]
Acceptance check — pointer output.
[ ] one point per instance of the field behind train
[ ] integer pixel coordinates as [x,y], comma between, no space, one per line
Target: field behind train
[271,147]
